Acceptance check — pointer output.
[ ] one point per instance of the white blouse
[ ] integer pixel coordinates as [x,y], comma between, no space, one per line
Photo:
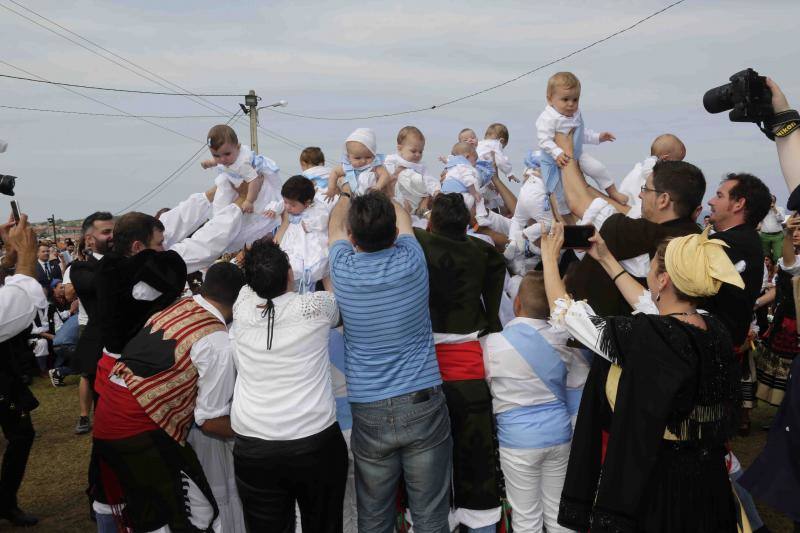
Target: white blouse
[283,392]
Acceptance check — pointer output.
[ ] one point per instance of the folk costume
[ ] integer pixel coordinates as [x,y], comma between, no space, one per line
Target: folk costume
[667,397]
[466,283]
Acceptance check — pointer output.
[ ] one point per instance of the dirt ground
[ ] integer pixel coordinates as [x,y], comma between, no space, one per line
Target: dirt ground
[55,481]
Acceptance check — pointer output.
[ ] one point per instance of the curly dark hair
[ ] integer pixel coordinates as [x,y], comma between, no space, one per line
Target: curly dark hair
[266,268]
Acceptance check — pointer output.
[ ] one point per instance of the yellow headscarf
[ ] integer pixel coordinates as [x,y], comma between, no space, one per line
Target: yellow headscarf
[698,265]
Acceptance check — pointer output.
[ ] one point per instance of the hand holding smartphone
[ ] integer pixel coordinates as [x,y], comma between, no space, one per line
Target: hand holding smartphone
[15,210]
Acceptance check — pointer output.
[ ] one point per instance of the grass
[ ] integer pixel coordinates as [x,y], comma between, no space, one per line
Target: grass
[54,484]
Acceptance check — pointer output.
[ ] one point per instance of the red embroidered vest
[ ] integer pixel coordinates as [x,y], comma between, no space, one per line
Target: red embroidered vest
[158,369]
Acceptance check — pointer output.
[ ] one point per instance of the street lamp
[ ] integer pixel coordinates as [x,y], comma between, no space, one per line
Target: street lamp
[279,103]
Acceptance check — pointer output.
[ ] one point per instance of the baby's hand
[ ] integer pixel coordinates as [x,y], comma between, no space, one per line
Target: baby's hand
[443,159]
[208,163]
[562,160]
[247,206]
[331,193]
[269,213]
[512,177]
[607,136]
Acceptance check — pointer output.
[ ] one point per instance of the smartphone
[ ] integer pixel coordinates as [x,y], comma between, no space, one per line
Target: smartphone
[15,210]
[577,237]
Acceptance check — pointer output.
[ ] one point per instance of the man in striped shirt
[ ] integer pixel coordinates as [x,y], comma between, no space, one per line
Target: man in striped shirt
[400,419]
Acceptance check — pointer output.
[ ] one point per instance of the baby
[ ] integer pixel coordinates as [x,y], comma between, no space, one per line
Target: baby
[467,135]
[410,146]
[304,232]
[361,166]
[460,173]
[666,147]
[241,171]
[560,116]
[312,165]
[491,149]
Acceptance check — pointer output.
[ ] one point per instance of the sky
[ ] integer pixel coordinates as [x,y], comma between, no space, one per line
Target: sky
[344,59]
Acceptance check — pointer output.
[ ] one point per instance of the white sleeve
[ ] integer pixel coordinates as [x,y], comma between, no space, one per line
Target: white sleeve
[20,297]
[317,220]
[323,304]
[183,219]
[66,279]
[210,241]
[275,205]
[212,356]
[545,131]
[793,269]
[574,316]
[590,136]
[502,162]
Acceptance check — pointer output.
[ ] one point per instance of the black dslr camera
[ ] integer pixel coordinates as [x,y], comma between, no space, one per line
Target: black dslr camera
[747,96]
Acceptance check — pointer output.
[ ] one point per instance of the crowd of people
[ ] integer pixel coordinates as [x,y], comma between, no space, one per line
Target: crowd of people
[377,347]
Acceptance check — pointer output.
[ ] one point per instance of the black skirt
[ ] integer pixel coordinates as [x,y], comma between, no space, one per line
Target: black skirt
[688,492]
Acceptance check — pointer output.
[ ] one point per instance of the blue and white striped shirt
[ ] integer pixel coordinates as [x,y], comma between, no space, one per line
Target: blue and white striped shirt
[383,299]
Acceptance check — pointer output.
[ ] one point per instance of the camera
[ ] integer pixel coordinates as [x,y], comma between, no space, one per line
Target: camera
[747,96]
[7,184]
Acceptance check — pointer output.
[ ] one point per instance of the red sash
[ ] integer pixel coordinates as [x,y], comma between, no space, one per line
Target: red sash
[460,361]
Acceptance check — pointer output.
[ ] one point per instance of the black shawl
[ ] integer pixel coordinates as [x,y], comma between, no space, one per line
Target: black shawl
[676,377]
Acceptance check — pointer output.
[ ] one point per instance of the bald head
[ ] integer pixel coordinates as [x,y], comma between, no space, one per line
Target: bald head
[531,300]
[668,147]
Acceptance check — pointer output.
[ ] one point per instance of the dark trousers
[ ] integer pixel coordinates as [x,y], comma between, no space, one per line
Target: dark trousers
[272,475]
[18,431]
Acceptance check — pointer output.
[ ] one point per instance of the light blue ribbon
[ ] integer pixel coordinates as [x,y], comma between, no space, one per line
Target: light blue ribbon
[455,160]
[550,171]
[320,182]
[533,159]
[485,171]
[540,356]
[351,173]
[295,219]
[453,185]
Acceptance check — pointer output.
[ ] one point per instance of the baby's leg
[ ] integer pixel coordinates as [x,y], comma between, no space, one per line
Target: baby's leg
[596,170]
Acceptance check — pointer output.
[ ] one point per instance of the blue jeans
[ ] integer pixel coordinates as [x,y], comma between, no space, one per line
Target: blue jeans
[408,434]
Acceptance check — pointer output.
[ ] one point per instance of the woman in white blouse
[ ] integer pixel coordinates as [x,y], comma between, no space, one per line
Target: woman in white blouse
[288,444]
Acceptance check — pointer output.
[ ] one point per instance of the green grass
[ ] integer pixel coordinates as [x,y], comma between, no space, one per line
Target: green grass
[55,481]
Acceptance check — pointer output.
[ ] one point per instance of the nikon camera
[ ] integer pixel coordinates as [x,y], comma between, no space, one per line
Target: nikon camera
[747,96]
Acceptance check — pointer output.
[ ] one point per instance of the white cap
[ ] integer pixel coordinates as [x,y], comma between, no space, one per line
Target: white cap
[365,136]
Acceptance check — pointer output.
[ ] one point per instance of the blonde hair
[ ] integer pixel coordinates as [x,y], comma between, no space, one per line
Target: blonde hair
[533,296]
[462,148]
[409,131]
[496,131]
[566,80]
[221,134]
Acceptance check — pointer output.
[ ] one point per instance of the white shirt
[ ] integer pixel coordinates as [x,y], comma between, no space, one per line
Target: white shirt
[492,150]
[551,122]
[241,169]
[20,297]
[532,204]
[632,184]
[464,174]
[773,222]
[212,356]
[511,379]
[283,393]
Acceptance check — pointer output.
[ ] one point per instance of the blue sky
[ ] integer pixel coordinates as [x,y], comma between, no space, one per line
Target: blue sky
[354,58]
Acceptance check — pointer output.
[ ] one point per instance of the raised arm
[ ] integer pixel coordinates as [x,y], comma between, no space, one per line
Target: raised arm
[505,193]
[551,247]
[789,146]
[337,224]
[631,290]
[403,220]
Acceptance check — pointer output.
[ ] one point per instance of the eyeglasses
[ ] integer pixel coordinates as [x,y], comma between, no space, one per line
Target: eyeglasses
[645,189]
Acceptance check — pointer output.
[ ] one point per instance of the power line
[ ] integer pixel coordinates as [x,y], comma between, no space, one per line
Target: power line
[148,121]
[86,113]
[175,174]
[186,92]
[96,88]
[487,89]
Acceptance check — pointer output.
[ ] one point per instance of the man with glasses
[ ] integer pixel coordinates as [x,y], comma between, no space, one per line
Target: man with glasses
[671,200]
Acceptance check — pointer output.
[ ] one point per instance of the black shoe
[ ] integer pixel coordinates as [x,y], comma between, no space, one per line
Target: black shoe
[19,518]
[84,426]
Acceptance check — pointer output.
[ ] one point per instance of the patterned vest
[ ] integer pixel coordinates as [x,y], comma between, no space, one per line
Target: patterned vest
[158,369]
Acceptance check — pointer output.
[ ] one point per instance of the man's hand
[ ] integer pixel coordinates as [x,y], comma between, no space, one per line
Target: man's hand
[22,240]
[247,206]
[562,160]
[779,102]
[607,136]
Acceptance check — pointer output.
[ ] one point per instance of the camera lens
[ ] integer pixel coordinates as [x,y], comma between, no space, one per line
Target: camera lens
[718,99]
[7,184]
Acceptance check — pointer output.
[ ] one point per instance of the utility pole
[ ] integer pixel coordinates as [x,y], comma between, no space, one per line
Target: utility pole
[251,101]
